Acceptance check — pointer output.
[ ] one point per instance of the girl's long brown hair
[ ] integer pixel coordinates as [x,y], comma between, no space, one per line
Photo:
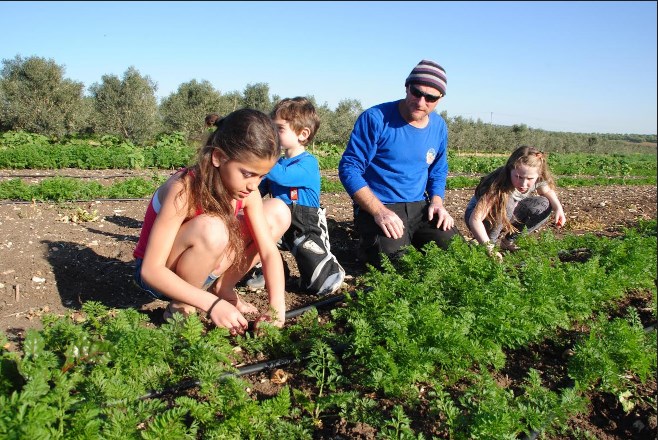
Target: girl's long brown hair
[243,135]
[494,189]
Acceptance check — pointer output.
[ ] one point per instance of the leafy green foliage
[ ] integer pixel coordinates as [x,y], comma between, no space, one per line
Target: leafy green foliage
[336,125]
[15,139]
[257,96]
[37,98]
[480,137]
[475,164]
[20,151]
[614,353]
[570,164]
[185,109]
[442,312]
[431,329]
[398,427]
[170,151]
[59,189]
[328,155]
[331,186]
[487,410]
[88,376]
[125,107]
[323,366]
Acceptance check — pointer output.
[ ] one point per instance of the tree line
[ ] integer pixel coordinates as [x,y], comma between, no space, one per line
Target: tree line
[36,97]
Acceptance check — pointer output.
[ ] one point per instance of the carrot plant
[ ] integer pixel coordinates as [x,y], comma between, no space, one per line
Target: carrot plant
[614,354]
[488,410]
[323,367]
[86,378]
[426,335]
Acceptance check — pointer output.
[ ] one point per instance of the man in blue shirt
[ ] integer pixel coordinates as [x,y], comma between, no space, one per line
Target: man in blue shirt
[395,168]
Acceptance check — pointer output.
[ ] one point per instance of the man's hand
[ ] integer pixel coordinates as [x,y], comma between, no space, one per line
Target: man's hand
[390,223]
[444,220]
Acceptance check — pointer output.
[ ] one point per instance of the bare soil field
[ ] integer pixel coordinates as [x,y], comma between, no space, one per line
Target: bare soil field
[51,261]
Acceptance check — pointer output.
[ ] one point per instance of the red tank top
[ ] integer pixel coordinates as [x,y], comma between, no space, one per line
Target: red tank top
[149,219]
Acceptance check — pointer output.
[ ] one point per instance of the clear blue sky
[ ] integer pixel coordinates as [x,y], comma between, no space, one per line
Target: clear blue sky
[587,67]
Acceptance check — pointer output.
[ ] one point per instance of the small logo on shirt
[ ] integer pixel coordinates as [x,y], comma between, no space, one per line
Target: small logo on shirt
[430,156]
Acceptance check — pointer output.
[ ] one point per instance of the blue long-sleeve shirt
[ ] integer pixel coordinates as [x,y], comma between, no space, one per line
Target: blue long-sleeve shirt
[300,175]
[397,161]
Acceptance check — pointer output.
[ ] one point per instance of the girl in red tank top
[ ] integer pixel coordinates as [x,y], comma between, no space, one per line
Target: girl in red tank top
[207,225]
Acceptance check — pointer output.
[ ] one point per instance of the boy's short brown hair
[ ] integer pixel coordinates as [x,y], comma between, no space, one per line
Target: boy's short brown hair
[300,113]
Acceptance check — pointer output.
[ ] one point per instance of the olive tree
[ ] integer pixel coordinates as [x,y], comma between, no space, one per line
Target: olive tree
[338,124]
[185,109]
[35,97]
[257,96]
[229,102]
[126,107]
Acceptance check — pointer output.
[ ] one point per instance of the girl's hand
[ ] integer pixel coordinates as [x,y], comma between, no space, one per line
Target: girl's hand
[275,316]
[493,253]
[224,314]
[260,320]
[560,218]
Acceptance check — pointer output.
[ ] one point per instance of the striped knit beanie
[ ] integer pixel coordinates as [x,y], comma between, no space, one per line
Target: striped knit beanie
[430,74]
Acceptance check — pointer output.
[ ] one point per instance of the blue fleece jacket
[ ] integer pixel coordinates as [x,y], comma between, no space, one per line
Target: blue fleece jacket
[300,175]
[397,161]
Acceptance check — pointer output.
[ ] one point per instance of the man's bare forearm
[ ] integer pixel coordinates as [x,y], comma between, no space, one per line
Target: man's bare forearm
[368,201]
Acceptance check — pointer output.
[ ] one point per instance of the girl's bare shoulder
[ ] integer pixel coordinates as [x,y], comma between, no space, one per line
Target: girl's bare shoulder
[173,188]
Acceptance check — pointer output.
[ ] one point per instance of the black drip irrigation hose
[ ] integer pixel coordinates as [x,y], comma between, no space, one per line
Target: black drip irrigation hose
[318,305]
[260,366]
[247,369]
[31,202]
[47,176]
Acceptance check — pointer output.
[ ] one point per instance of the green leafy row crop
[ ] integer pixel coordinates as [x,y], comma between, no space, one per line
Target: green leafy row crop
[569,164]
[20,150]
[474,308]
[60,189]
[86,381]
[428,335]
[612,354]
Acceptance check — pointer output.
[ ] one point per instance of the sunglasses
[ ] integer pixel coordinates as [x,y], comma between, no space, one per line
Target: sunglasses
[418,94]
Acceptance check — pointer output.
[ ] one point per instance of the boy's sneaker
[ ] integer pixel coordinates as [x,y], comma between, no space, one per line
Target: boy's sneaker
[257,280]
[332,283]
